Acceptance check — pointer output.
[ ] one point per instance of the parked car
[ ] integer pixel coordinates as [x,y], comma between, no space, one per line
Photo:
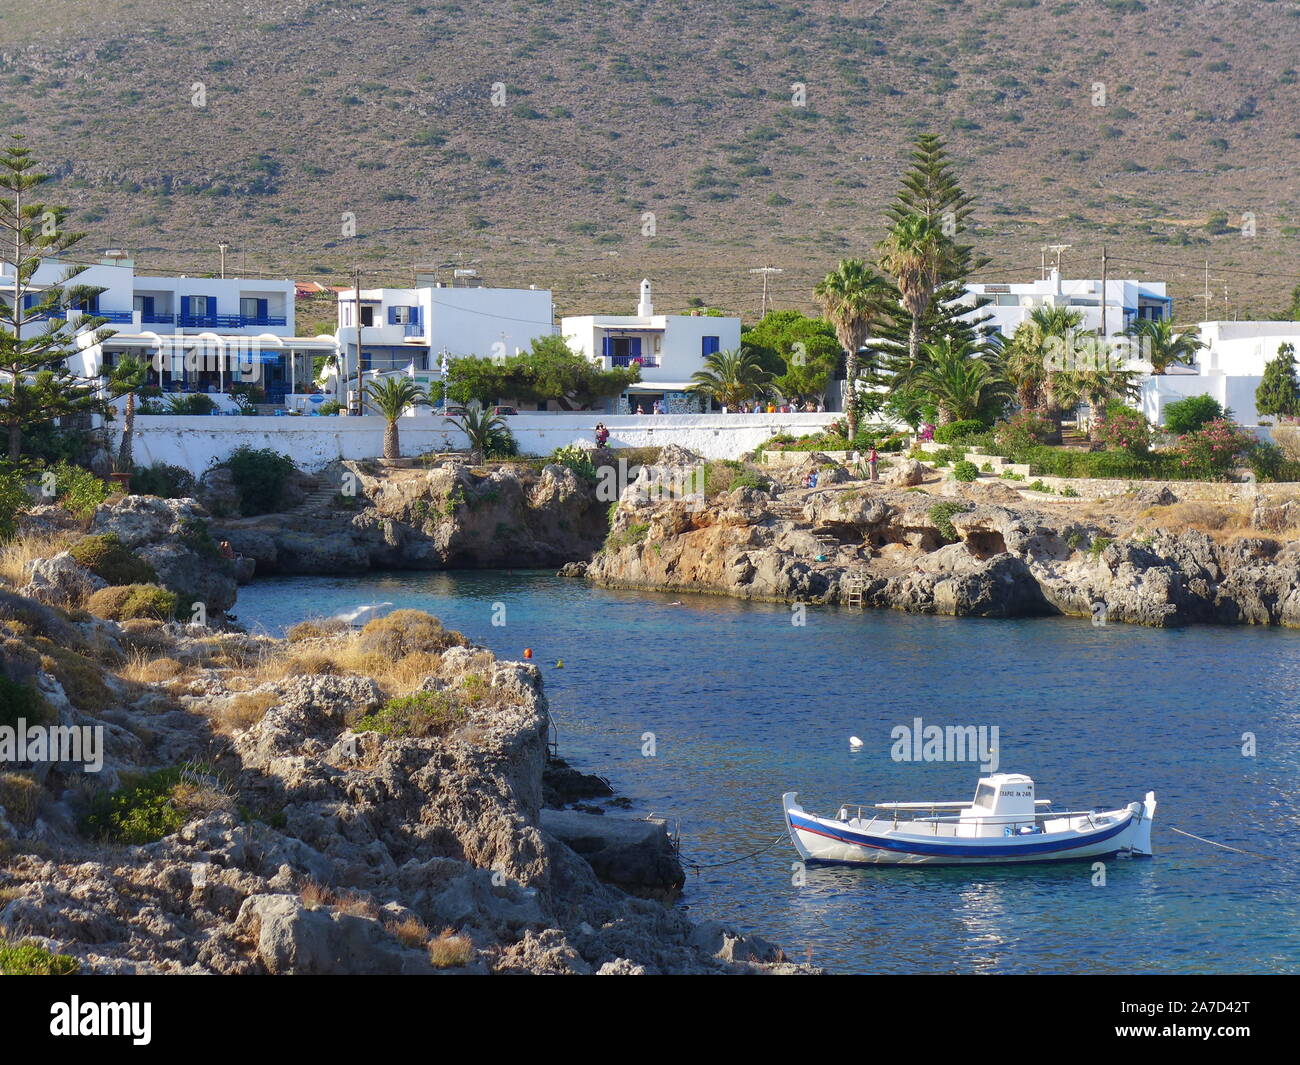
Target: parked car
[505,410]
[453,411]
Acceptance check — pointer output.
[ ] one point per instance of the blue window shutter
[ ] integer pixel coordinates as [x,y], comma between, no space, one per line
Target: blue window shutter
[392,315]
[634,347]
[263,308]
[415,315]
[606,347]
[212,306]
[708,345]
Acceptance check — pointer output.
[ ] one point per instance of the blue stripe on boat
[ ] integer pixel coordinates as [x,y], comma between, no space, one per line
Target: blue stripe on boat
[994,850]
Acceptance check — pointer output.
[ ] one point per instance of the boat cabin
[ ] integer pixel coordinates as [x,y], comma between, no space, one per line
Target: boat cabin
[1003,800]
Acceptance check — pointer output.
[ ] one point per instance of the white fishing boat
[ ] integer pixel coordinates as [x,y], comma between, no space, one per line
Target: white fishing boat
[1003,823]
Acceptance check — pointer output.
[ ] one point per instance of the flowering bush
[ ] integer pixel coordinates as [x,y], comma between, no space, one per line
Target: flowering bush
[1022,430]
[1209,452]
[1125,430]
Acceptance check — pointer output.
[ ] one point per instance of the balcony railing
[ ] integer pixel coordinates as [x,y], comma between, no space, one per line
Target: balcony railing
[414,330]
[647,361]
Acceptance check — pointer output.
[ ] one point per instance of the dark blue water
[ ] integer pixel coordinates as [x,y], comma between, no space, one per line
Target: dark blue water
[743,705]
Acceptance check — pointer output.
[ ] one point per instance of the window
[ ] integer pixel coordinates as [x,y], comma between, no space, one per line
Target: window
[399,315]
[367,314]
[985,796]
[254,308]
[196,306]
[708,345]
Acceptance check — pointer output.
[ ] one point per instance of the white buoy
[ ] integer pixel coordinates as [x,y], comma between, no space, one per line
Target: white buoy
[855,743]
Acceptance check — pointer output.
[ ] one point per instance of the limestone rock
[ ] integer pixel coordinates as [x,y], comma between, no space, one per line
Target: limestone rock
[60,580]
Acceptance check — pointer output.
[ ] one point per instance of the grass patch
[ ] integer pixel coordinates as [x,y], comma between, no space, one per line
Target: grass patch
[418,715]
[143,810]
[132,601]
[450,950]
[26,958]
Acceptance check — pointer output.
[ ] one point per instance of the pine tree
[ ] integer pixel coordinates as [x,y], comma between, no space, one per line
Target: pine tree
[929,189]
[36,338]
[1279,390]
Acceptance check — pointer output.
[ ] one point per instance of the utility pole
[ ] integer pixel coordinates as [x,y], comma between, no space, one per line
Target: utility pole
[223,248]
[1104,334]
[765,271]
[356,291]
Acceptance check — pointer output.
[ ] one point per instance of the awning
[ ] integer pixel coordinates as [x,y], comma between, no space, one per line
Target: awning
[659,386]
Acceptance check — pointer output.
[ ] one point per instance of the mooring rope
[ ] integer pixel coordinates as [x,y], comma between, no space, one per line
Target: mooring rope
[697,866]
[1236,850]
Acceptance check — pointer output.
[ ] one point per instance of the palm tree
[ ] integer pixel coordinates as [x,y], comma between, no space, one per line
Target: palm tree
[1097,387]
[730,377]
[1027,356]
[957,377]
[129,374]
[853,298]
[392,395]
[1161,346]
[915,254]
[487,432]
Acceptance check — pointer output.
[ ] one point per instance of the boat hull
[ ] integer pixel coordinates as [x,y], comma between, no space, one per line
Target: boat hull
[822,840]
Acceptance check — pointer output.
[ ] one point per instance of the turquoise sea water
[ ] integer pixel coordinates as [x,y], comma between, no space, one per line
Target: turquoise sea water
[743,705]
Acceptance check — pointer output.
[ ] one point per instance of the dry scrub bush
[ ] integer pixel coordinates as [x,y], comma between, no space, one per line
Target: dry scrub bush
[316,896]
[20,796]
[315,628]
[411,932]
[245,710]
[1212,518]
[405,632]
[144,668]
[26,547]
[450,950]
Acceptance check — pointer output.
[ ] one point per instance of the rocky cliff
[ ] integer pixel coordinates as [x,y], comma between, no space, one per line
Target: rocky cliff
[270,807]
[449,517]
[964,550]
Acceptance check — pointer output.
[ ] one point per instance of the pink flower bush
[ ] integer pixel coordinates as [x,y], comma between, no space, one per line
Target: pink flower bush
[1125,431]
[1213,449]
[1023,429]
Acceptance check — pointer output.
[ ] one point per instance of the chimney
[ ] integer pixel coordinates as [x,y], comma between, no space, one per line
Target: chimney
[645,308]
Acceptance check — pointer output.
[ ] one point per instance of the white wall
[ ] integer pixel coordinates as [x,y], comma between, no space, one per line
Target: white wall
[196,442]
[1236,393]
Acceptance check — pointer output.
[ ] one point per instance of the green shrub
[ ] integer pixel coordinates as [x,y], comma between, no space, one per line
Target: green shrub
[1023,430]
[197,403]
[418,715]
[1211,451]
[330,406]
[1190,414]
[1098,545]
[1267,461]
[131,601]
[13,500]
[750,479]
[966,471]
[941,514]
[22,701]
[1125,429]
[958,431]
[576,459]
[162,480]
[78,490]
[107,558]
[141,811]
[633,534]
[259,476]
[26,958]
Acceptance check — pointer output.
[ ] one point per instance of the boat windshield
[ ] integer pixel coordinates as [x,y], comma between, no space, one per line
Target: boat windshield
[986,796]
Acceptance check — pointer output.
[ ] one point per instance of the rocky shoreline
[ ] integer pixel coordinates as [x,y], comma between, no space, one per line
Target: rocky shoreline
[926,545]
[302,819]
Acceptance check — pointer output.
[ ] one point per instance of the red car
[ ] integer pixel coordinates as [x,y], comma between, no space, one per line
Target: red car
[505,410]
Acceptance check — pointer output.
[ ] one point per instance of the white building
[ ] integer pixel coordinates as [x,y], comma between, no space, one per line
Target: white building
[200,334]
[669,348]
[1008,305]
[410,329]
[1229,368]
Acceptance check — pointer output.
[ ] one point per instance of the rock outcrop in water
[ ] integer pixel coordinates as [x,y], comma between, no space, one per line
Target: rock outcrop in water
[449,517]
[967,551]
[263,809]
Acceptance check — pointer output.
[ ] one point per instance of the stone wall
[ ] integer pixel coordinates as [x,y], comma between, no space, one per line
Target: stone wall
[196,442]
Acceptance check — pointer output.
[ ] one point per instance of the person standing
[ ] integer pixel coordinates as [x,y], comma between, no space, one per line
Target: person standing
[872,460]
